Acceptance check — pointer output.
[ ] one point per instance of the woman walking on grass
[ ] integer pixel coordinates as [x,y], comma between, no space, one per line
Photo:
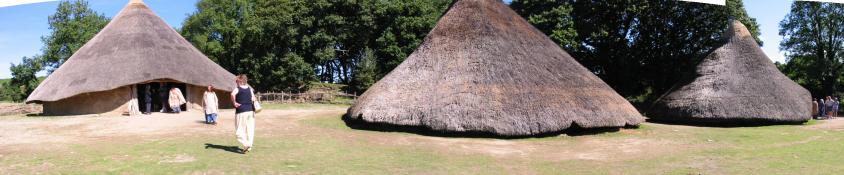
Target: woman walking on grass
[243,97]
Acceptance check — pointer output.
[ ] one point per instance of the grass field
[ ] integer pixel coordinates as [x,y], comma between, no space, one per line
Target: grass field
[311,139]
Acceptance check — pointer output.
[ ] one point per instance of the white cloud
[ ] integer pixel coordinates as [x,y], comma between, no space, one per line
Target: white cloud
[6,3]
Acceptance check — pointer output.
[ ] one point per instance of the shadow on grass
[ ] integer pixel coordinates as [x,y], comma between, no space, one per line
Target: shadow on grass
[233,149]
[725,123]
[574,130]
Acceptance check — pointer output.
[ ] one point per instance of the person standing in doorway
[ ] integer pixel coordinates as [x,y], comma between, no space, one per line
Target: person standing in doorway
[209,103]
[162,96]
[176,100]
[147,100]
[242,98]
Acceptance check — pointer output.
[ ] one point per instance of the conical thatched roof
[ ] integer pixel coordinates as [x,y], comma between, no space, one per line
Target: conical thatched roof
[484,69]
[736,83]
[136,46]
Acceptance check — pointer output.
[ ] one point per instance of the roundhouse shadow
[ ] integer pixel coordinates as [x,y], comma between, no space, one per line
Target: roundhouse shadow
[574,130]
[725,123]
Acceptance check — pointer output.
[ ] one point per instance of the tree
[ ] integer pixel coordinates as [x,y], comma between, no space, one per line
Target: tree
[322,40]
[366,72]
[23,80]
[813,42]
[640,48]
[73,24]
[552,17]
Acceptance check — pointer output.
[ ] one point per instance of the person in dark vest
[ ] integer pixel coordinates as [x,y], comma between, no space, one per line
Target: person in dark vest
[147,100]
[243,97]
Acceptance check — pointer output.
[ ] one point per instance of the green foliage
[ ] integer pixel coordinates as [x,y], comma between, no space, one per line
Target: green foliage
[552,17]
[813,42]
[366,72]
[73,24]
[321,40]
[640,48]
[23,80]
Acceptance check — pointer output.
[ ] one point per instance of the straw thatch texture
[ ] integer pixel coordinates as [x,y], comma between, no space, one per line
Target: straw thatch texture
[484,69]
[136,46]
[736,83]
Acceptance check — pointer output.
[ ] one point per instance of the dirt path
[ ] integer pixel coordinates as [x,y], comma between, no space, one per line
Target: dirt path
[836,124]
[39,130]
[17,108]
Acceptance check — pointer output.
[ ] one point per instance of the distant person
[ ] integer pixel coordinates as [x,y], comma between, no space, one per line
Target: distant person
[822,108]
[209,103]
[815,108]
[828,107]
[835,104]
[242,98]
[176,100]
[162,95]
[147,100]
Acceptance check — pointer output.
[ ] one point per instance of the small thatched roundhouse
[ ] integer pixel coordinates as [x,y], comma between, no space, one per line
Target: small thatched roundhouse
[136,47]
[484,69]
[735,84]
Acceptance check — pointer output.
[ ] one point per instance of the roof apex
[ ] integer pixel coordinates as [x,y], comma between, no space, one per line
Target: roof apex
[136,1]
[737,30]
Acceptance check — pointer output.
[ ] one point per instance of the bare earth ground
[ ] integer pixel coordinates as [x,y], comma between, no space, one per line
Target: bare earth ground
[17,108]
[38,144]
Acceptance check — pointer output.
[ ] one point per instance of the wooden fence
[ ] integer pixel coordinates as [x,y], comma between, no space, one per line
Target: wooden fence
[307,97]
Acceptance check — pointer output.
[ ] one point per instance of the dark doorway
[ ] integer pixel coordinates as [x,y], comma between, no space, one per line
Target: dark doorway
[159,93]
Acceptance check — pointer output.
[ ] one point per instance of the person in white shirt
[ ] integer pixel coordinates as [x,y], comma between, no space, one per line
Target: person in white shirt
[176,100]
[209,103]
[243,97]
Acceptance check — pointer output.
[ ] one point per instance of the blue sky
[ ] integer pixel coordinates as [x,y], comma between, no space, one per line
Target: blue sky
[22,26]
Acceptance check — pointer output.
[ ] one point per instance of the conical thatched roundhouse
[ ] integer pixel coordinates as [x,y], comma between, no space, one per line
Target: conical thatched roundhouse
[136,47]
[736,83]
[484,69]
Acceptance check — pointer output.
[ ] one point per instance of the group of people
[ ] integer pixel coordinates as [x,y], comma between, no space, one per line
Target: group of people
[173,95]
[825,108]
[243,99]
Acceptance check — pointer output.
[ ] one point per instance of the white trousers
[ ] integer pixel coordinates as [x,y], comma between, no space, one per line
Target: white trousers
[245,128]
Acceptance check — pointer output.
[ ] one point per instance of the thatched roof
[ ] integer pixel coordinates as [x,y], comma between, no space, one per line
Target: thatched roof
[736,83]
[136,46]
[484,69]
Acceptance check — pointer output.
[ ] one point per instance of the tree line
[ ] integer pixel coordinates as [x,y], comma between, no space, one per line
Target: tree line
[640,48]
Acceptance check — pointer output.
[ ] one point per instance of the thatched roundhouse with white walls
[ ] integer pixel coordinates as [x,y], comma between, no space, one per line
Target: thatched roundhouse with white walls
[136,47]
[735,84]
[485,69]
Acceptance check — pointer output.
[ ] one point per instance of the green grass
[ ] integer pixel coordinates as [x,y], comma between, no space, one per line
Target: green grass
[325,145]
